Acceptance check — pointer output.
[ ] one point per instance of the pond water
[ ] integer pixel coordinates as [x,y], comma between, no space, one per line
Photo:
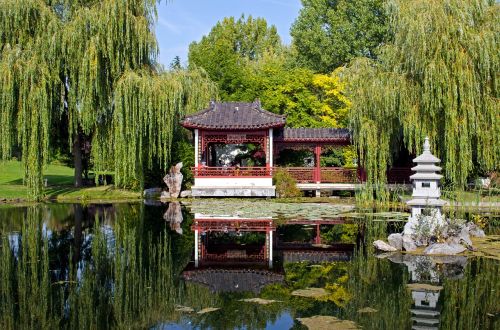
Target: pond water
[236,265]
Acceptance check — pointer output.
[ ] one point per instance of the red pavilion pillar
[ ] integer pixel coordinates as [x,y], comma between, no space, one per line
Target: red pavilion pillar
[317,168]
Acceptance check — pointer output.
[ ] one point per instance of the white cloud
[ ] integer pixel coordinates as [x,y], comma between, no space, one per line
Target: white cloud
[169,26]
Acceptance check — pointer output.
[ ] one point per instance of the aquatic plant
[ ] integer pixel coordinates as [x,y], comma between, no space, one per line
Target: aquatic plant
[286,186]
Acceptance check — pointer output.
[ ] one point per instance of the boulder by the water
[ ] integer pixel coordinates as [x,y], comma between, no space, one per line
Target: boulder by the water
[444,248]
[186,193]
[151,193]
[409,243]
[396,241]
[465,237]
[474,230]
[383,246]
[173,180]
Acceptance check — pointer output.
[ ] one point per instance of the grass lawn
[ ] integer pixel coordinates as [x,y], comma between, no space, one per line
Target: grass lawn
[60,185]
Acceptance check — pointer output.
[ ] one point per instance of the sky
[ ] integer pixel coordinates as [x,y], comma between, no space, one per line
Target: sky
[181,22]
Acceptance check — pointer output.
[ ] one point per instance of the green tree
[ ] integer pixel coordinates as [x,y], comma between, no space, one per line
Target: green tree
[88,68]
[308,99]
[439,77]
[329,33]
[225,52]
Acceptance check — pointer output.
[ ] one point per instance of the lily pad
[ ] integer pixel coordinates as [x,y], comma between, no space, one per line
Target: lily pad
[424,287]
[259,301]
[322,322]
[487,247]
[367,310]
[208,310]
[310,293]
[184,309]
[258,209]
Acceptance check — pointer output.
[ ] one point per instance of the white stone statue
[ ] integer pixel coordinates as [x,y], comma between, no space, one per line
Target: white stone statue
[173,180]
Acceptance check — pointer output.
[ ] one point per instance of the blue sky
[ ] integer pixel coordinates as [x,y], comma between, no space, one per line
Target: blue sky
[182,21]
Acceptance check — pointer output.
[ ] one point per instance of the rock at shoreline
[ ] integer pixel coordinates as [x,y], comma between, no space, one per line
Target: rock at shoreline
[444,248]
[383,246]
[409,243]
[396,241]
[186,193]
[151,192]
[465,237]
[474,230]
[173,180]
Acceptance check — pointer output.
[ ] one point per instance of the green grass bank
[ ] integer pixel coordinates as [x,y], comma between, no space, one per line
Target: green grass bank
[59,186]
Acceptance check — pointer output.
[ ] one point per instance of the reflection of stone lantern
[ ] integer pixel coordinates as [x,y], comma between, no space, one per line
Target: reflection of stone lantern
[426,203]
[426,273]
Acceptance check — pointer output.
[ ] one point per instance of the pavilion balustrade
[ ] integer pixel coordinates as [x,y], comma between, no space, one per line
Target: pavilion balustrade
[300,174]
[212,171]
[398,175]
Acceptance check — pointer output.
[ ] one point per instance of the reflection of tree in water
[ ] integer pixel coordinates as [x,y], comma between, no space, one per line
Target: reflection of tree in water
[130,280]
[127,280]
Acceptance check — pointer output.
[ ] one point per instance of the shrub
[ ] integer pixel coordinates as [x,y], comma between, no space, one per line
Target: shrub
[286,186]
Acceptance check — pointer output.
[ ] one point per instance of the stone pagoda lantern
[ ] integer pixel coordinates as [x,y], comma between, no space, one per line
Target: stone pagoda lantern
[427,225]
[426,204]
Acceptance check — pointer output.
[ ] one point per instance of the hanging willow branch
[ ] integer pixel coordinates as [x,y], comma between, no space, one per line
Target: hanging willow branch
[91,62]
[146,113]
[439,78]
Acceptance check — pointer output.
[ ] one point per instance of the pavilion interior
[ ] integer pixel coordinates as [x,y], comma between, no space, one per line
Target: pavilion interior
[243,155]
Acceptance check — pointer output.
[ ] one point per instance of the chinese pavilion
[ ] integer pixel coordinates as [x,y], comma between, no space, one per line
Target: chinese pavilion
[237,144]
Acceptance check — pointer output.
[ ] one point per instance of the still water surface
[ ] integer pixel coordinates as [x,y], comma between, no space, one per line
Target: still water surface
[77,266]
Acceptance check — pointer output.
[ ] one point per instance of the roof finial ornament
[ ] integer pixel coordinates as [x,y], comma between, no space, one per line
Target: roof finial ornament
[257,103]
[427,145]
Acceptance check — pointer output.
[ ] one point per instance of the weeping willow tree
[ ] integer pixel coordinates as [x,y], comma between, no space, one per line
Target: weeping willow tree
[88,68]
[439,78]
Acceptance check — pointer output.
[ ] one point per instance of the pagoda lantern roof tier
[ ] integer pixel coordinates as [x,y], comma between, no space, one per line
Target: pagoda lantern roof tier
[426,156]
[425,176]
[426,168]
[234,116]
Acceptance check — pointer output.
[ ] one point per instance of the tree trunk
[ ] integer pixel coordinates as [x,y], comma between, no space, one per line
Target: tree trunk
[77,156]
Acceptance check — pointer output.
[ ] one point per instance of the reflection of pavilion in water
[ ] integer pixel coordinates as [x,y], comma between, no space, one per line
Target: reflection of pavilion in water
[426,273]
[208,252]
[223,265]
